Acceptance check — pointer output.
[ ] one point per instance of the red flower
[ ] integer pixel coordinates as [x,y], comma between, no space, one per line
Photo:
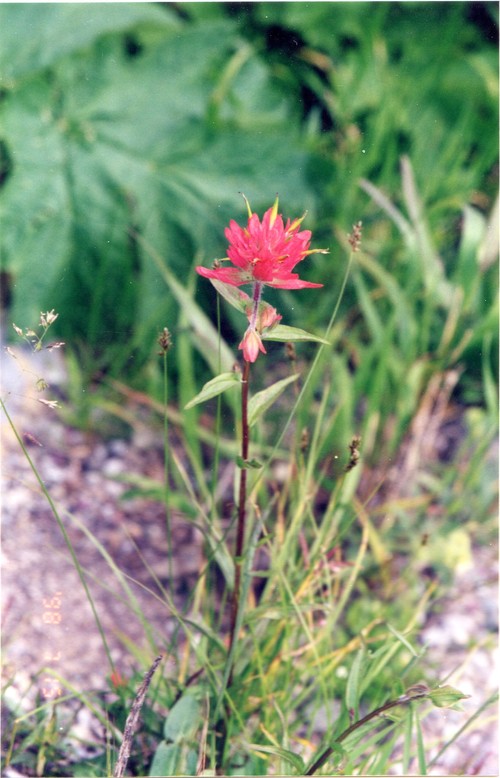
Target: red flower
[265,253]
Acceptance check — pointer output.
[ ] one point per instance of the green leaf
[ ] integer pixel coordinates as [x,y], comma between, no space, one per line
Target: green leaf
[214,387]
[466,270]
[85,174]
[261,401]
[205,335]
[490,386]
[165,759]
[183,719]
[252,464]
[446,696]
[422,762]
[285,334]
[352,692]
[234,296]
[57,31]
[408,739]
[402,640]
[283,753]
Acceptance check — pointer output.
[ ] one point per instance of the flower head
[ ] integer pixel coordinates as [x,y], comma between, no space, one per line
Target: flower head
[265,252]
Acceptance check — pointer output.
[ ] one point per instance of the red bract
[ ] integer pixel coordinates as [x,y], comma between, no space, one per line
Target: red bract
[251,345]
[265,318]
[265,252]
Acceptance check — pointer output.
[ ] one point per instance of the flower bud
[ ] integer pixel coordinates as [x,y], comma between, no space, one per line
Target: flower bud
[446,696]
[251,345]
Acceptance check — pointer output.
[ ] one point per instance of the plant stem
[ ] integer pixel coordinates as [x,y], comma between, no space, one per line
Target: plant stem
[405,698]
[238,559]
[166,471]
[242,498]
[257,293]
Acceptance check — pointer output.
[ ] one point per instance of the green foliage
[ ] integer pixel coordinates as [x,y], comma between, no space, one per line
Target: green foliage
[378,88]
[282,333]
[120,131]
[183,719]
[146,121]
[175,755]
[27,733]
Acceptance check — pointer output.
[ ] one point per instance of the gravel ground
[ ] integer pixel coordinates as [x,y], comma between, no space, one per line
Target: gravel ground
[47,620]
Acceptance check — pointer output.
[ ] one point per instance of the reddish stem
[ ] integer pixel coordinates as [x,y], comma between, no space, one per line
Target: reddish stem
[240,540]
[240,530]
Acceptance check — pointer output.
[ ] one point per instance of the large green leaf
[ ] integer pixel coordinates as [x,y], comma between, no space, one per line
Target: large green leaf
[103,141]
[36,35]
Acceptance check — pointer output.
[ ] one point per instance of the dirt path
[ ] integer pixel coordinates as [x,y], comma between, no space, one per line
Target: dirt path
[47,620]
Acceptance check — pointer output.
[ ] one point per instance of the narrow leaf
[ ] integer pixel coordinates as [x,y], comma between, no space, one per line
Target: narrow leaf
[386,204]
[352,692]
[205,336]
[284,334]
[446,696]
[234,296]
[261,401]
[422,762]
[214,387]
[407,744]
[288,756]
[402,640]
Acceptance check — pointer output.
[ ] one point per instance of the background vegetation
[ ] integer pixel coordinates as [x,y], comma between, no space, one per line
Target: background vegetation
[146,120]
[128,131]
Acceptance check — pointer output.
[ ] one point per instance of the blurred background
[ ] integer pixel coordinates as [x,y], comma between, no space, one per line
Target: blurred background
[129,130]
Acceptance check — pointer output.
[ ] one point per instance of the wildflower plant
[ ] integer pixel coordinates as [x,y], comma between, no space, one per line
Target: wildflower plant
[266,253]
[253,676]
[263,253]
